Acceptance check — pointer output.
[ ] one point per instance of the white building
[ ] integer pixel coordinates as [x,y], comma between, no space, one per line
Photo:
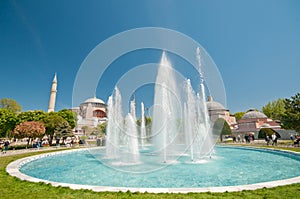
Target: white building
[91,113]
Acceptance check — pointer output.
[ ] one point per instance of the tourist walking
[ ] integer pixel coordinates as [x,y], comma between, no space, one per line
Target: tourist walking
[6,145]
[267,139]
[274,139]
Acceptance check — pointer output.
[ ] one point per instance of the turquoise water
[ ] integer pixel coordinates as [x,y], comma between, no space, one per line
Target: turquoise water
[229,166]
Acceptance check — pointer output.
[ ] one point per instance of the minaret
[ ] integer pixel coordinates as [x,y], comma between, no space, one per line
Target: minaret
[52,95]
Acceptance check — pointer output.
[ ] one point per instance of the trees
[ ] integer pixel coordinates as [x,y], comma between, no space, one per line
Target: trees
[36,115]
[291,118]
[69,116]
[63,130]
[275,109]
[221,128]
[267,131]
[10,104]
[99,130]
[238,115]
[31,129]
[8,121]
[52,121]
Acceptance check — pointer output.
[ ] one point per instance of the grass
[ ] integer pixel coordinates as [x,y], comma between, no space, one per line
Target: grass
[11,187]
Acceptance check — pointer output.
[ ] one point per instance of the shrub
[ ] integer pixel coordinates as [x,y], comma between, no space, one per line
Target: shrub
[267,131]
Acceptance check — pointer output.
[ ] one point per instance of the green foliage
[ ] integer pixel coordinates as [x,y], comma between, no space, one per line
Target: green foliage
[221,127]
[31,129]
[8,121]
[275,109]
[51,121]
[291,118]
[100,130]
[10,104]
[267,131]
[36,115]
[239,115]
[68,115]
[148,121]
[63,130]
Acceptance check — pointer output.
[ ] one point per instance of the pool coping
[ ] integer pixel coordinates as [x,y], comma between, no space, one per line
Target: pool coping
[13,170]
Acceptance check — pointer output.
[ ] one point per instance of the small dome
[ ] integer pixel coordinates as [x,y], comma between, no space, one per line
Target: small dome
[215,106]
[94,100]
[252,113]
[212,105]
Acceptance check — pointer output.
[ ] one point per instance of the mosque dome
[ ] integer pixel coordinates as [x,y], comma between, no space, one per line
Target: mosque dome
[94,100]
[252,113]
[213,105]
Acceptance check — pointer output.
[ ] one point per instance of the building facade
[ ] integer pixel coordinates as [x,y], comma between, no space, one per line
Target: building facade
[217,110]
[90,113]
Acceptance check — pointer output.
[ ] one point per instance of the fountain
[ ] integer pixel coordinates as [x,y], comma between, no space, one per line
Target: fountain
[122,136]
[180,123]
[143,126]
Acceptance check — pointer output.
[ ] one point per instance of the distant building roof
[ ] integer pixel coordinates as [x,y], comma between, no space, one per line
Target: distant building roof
[213,105]
[252,113]
[94,100]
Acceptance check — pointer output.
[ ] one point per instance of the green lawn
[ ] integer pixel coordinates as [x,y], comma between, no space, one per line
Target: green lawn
[11,187]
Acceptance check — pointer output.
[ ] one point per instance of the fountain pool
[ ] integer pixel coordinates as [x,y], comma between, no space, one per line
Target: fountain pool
[232,166]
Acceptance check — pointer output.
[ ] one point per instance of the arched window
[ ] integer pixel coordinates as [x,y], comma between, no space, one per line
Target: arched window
[99,113]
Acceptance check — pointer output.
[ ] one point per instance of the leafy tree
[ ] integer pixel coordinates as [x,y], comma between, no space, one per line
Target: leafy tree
[36,115]
[275,109]
[291,118]
[63,130]
[8,121]
[30,129]
[267,131]
[10,104]
[99,130]
[221,128]
[52,120]
[85,129]
[68,115]
[239,115]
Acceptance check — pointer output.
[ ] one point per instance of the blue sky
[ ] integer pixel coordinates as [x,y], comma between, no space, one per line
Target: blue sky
[254,43]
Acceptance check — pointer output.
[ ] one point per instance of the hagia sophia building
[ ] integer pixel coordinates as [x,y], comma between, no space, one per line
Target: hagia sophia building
[93,111]
[90,113]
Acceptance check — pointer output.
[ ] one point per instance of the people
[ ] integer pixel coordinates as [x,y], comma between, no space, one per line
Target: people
[2,146]
[274,139]
[296,141]
[292,137]
[6,145]
[234,139]
[267,139]
[239,138]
